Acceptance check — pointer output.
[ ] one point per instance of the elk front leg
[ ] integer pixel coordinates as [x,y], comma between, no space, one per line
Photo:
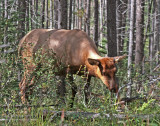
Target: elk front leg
[86,89]
[74,89]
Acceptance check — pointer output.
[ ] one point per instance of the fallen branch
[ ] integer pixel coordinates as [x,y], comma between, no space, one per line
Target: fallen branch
[127,100]
[25,106]
[75,114]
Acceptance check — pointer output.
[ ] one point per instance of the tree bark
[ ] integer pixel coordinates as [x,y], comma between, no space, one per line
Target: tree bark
[158,31]
[74,18]
[111,28]
[119,25]
[96,16]
[56,11]
[152,37]
[22,9]
[88,17]
[36,13]
[64,13]
[51,14]
[130,55]
[42,13]
[6,17]
[32,12]
[27,16]
[70,14]
[139,53]
[46,13]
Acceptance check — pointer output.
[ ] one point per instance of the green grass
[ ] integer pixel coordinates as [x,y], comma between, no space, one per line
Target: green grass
[141,112]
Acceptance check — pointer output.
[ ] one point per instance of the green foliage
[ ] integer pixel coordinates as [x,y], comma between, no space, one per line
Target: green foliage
[45,93]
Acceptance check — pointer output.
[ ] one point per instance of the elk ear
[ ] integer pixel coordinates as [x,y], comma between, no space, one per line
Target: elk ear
[119,58]
[94,61]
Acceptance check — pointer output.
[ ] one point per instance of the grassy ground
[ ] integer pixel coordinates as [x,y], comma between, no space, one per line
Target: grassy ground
[47,108]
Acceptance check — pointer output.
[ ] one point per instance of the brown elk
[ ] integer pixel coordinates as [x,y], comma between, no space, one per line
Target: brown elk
[75,50]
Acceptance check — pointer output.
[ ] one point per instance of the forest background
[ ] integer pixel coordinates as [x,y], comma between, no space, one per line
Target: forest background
[117,27]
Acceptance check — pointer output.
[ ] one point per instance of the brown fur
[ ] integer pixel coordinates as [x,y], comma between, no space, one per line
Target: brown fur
[74,49]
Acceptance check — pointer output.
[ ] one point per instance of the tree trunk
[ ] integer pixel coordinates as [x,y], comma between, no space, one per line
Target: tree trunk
[56,11]
[111,28]
[80,14]
[119,25]
[139,52]
[77,17]
[42,13]
[64,13]
[88,17]
[59,15]
[31,12]
[158,31]
[74,14]
[27,16]
[123,27]
[96,16]
[36,13]
[51,14]
[22,9]
[131,32]
[6,17]
[101,21]
[70,14]
[152,37]
[46,13]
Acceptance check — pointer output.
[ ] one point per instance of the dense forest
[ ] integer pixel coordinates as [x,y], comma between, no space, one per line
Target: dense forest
[118,27]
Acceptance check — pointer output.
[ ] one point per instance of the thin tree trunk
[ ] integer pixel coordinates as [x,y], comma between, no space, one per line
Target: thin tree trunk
[88,17]
[152,41]
[31,12]
[130,55]
[27,15]
[119,25]
[124,23]
[56,11]
[59,15]
[22,9]
[74,14]
[46,13]
[101,21]
[158,32]
[85,14]
[51,14]
[77,17]
[80,14]
[70,14]
[42,13]
[96,16]
[36,13]
[6,17]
